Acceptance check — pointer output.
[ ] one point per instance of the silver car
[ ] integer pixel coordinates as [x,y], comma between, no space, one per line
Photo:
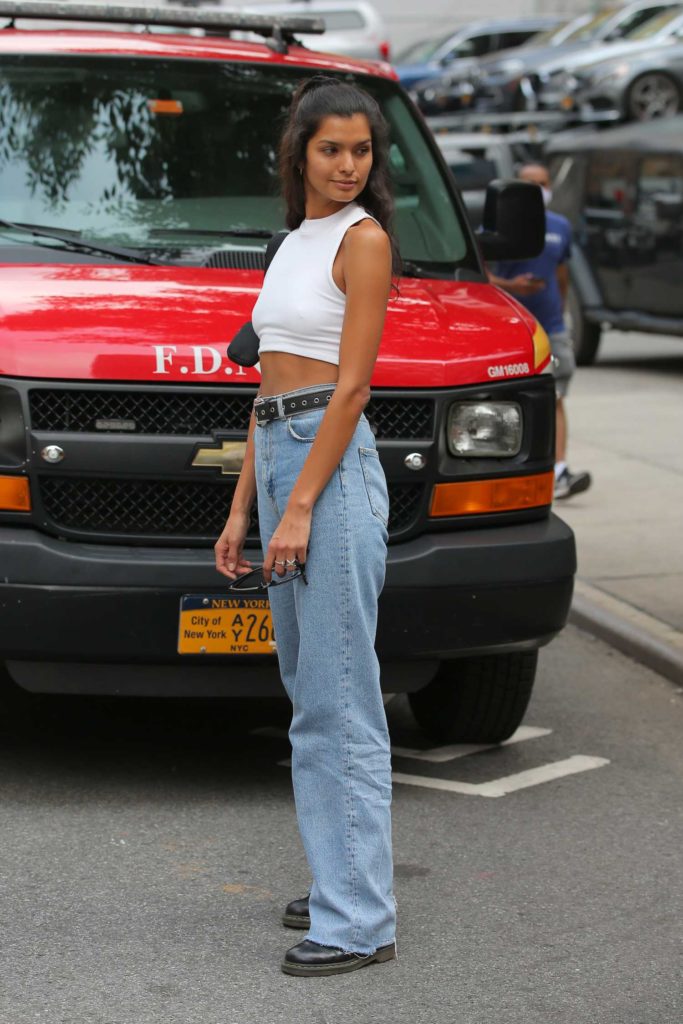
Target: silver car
[557,90]
[639,86]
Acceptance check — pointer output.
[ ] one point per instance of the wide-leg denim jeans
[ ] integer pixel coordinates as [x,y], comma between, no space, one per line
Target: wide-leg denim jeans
[325,635]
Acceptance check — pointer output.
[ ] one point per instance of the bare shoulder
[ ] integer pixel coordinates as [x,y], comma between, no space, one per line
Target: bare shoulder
[367,240]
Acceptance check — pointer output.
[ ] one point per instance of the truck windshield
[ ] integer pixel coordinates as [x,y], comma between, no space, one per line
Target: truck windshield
[154,154]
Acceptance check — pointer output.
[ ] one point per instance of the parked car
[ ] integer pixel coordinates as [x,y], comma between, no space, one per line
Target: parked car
[638,86]
[512,81]
[451,89]
[557,86]
[457,49]
[475,159]
[622,190]
[353,28]
[138,187]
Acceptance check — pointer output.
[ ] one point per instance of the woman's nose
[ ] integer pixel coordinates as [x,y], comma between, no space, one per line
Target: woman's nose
[346,163]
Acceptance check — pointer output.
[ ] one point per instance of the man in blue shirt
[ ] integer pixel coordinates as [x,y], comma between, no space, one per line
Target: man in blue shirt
[541,285]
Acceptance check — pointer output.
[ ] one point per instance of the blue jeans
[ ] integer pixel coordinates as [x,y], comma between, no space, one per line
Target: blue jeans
[325,633]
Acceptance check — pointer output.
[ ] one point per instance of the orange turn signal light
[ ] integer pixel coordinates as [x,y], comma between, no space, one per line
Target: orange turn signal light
[173,107]
[502,495]
[15,495]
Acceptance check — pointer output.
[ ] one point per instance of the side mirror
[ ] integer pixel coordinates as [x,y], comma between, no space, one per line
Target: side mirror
[513,225]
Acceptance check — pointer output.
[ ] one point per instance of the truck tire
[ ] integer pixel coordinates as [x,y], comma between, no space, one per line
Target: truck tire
[476,700]
[585,335]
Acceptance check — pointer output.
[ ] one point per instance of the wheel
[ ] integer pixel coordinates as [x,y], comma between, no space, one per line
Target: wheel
[585,335]
[652,95]
[476,700]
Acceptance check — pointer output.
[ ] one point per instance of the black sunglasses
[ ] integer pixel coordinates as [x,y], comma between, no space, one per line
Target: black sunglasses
[253,580]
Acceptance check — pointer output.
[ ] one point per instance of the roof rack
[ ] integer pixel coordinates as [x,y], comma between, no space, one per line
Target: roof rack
[278,31]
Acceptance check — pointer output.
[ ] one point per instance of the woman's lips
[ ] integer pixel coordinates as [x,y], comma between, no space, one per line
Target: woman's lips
[347,185]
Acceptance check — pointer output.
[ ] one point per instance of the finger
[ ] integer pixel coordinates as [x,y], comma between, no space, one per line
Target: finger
[267,568]
[220,549]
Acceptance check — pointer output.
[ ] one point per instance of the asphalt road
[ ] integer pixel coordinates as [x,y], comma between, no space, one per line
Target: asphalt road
[147,850]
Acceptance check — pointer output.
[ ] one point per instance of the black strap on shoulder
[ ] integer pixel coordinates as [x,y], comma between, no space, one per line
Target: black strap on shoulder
[273,246]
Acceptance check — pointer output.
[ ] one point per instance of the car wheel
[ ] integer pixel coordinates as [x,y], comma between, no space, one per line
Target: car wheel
[584,334]
[476,700]
[652,95]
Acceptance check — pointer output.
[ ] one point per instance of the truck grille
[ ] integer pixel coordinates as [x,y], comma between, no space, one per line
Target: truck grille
[142,510]
[199,413]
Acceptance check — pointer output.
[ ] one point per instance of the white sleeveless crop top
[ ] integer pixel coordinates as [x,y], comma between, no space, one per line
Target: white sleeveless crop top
[300,309]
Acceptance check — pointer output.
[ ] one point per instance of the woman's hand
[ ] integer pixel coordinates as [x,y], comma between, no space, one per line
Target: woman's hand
[228,547]
[289,542]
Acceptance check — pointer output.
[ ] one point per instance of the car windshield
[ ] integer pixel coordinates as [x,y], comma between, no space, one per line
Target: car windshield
[418,53]
[588,31]
[548,35]
[153,154]
[654,25]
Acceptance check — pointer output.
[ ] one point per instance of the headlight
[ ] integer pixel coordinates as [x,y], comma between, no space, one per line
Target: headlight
[609,74]
[484,429]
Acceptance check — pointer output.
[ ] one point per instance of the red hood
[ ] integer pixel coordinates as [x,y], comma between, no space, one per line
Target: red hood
[112,323]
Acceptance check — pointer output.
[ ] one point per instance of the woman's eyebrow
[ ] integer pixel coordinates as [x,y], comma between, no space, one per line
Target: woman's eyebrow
[335,142]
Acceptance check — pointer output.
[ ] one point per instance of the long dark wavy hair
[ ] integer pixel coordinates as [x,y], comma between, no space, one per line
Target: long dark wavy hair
[313,100]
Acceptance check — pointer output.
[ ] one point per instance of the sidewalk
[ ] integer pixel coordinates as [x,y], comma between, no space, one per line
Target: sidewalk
[626,428]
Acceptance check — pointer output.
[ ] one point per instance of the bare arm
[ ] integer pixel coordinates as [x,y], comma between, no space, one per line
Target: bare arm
[521,285]
[228,547]
[367,275]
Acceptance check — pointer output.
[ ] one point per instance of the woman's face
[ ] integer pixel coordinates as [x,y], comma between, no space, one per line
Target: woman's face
[338,160]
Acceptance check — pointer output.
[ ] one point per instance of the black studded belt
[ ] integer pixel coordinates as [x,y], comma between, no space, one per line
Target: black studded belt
[278,407]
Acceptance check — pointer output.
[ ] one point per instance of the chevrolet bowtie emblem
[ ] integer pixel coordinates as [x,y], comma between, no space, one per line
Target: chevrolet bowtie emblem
[228,458]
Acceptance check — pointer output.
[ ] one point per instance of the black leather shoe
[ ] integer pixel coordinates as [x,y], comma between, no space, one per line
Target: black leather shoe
[310,960]
[296,914]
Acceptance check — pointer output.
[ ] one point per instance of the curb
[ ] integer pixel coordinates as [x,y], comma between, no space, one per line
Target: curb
[635,633]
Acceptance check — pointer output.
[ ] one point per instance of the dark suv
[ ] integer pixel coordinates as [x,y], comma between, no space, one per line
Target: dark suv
[623,192]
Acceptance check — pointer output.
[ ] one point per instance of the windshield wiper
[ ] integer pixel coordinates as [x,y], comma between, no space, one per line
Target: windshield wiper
[78,244]
[215,232]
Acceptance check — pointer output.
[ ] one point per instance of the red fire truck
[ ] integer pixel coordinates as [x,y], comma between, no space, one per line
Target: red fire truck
[138,189]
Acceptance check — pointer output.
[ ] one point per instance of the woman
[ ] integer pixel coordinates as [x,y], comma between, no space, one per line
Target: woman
[322,502]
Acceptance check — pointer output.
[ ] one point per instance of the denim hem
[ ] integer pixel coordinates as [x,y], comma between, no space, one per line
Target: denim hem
[368,951]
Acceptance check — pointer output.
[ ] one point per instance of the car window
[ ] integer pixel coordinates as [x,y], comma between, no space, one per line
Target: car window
[609,182]
[633,21]
[474,46]
[472,171]
[510,39]
[567,173]
[590,28]
[423,50]
[652,26]
[156,153]
[660,187]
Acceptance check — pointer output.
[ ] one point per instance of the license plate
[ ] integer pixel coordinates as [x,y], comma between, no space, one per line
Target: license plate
[216,624]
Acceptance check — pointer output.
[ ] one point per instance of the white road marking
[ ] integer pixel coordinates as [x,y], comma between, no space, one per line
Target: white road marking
[509,783]
[438,755]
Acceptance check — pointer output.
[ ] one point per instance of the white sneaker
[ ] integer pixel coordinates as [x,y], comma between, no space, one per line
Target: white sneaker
[568,483]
